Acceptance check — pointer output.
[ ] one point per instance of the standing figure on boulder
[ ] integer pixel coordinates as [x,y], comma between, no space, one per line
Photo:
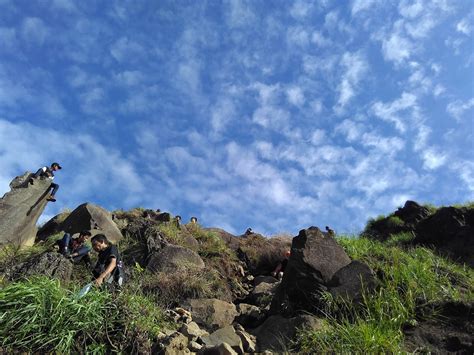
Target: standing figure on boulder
[77,249]
[280,268]
[193,220]
[177,221]
[109,267]
[48,172]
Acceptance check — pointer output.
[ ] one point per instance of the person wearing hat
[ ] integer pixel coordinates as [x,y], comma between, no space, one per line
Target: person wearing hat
[48,173]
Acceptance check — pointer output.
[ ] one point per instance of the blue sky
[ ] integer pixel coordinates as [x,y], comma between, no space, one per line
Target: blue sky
[272,114]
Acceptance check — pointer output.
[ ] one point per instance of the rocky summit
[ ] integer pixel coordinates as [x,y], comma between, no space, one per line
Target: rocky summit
[405,284]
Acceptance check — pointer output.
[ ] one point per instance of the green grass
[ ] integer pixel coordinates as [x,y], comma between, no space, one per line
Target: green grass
[39,315]
[408,280]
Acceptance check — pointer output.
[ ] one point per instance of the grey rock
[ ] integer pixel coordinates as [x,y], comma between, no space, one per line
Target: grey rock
[194,346]
[20,210]
[175,344]
[267,279]
[192,331]
[249,316]
[276,332]
[348,281]
[212,313]
[174,257]
[221,349]
[248,341]
[313,261]
[224,335]
[50,264]
[94,218]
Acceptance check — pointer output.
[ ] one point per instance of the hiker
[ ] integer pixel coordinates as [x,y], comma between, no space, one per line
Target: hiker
[330,232]
[76,249]
[177,221]
[109,267]
[193,220]
[280,268]
[48,172]
[248,231]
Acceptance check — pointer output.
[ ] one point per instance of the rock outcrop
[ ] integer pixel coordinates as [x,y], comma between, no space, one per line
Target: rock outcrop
[451,231]
[94,218]
[349,281]
[174,257]
[20,210]
[50,264]
[313,261]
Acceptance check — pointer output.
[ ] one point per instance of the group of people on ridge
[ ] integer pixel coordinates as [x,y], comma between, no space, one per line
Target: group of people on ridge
[109,266]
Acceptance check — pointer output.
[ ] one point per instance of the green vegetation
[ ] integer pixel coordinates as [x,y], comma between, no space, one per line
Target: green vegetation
[41,315]
[407,281]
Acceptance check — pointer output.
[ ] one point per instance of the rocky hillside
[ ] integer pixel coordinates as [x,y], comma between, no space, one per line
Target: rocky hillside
[192,289]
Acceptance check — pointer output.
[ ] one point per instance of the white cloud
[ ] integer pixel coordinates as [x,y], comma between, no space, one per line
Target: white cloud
[464,26]
[295,96]
[125,49]
[355,67]
[221,114]
[298,35]
[397,47]
[361,5]
[433,159]
[391,112]
[410,9]
[130,77]
[318,137]
[438,90]
[318,38]
[34,30]
[457,108]
[301,9]
[90,170]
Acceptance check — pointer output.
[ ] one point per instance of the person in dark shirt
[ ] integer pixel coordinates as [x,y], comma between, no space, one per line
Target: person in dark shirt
[109,267]
[48,172]
[77,249]
[280,268]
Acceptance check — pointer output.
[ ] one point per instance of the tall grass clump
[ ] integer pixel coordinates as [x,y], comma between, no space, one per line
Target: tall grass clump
[407,281]
[38,315]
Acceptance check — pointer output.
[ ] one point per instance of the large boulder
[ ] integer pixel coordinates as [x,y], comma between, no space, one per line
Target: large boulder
[53,226]
[20,210]
[349,281]
[277,332]
[451,231]
[173,257]
[313,262]
[50,264]
[94,218]
[212,313]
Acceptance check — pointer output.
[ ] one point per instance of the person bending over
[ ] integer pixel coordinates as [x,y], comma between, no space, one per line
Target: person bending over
[109,267]
[48,172]
[77,249]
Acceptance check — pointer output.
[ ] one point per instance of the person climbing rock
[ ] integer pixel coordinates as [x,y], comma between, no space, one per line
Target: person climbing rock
[109,266]
[76,249]
[280,268]
[48,173]
[330,232]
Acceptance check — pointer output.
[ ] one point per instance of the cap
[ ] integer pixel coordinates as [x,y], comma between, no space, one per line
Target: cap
[57,164]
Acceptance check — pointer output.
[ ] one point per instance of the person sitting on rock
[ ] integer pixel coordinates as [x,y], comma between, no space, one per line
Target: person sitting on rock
[76,249]
[280,268]
[48,172]
[109,267]
[330,232]
[248,231]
